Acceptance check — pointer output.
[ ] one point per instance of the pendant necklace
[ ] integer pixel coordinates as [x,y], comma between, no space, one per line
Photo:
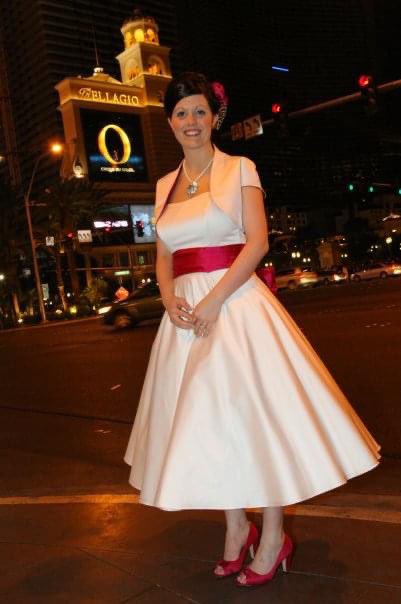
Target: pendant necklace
[194,185]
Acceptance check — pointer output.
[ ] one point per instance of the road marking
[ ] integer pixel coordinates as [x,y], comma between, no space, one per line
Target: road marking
[370,514]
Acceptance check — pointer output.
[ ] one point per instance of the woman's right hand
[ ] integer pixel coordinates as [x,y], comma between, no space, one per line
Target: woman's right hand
[179,312]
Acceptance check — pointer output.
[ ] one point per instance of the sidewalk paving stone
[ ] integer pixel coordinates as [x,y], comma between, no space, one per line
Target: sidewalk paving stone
[128,553]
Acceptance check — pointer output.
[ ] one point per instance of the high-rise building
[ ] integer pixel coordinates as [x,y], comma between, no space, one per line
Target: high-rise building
[42,43]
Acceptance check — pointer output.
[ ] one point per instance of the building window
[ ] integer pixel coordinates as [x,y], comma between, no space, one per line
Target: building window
[108,260]
[155,65]
[142,258]
[124,259]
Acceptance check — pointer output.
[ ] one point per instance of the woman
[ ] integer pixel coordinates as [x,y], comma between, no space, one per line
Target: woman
[237,410]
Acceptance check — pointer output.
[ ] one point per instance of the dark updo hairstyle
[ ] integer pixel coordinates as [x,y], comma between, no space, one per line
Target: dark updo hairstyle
[187,84]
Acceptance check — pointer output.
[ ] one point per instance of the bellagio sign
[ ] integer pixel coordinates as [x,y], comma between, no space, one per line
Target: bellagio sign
[103,96]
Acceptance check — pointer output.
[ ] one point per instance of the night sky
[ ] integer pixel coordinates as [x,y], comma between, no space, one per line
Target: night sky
[325,45]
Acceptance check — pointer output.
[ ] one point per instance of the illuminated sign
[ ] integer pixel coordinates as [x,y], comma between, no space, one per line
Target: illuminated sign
[114,146]
[104,96]
[101,141]
[102,224]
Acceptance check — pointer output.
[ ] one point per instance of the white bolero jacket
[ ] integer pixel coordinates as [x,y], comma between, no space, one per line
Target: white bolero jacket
[228,175]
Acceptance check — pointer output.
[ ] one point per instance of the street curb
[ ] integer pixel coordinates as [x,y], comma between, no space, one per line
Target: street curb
[389,513]
[50,324]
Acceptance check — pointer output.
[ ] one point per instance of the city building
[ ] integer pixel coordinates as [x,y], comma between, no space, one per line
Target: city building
[43,43]
[112,124]
[116,134]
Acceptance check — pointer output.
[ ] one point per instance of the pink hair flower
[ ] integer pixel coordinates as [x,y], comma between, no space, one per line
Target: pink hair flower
[220,93]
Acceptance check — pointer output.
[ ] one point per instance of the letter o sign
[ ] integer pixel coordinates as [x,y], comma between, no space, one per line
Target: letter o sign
[101,141]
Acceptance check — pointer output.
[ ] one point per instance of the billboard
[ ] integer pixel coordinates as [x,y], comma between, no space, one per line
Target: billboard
[114,146]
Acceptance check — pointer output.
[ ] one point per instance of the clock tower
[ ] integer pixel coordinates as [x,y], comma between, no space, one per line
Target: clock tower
[144,63]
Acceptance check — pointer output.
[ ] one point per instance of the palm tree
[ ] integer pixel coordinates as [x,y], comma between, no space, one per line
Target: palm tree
[66,205]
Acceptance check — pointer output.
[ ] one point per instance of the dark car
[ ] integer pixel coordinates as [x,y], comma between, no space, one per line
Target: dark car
[144,303]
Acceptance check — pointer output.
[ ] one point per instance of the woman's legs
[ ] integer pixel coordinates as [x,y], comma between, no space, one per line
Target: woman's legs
[236,535]
[270,542]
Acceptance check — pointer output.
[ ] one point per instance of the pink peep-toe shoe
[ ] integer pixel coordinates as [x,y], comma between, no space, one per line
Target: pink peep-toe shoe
[230,567]
[284,558]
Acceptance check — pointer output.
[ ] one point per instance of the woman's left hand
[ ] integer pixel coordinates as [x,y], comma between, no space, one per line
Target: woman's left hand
[204,315]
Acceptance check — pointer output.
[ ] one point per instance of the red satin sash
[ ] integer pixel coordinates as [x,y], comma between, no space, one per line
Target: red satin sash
[204,259]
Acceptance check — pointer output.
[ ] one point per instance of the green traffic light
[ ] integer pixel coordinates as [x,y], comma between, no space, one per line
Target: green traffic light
[350,187]
[399,191]
[371,189]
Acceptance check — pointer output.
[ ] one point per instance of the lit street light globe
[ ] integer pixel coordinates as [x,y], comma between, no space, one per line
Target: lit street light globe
[56,148]
[389,240]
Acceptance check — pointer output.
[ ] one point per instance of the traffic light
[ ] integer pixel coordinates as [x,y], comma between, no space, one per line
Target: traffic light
[368,93]
[279,114]
[351,187]
[69,240]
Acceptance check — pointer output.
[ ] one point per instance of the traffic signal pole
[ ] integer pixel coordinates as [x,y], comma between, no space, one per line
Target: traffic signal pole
[337,102]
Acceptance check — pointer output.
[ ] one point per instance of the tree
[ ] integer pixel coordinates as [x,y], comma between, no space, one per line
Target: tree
[359,237]
[13,241]
[66,205]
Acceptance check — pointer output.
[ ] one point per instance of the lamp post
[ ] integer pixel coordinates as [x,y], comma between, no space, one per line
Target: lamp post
[56,149]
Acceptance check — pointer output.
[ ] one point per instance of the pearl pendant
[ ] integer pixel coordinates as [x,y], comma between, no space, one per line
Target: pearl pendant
[192,188]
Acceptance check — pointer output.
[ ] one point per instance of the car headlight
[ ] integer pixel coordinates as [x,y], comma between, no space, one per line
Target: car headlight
[103,309]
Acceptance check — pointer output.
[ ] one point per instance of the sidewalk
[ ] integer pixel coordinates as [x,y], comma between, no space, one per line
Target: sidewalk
[78,550]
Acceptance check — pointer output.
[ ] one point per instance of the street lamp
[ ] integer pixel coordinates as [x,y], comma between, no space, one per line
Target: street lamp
[55,149]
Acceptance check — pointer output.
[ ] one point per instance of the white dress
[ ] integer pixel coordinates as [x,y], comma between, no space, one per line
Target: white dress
[248,416]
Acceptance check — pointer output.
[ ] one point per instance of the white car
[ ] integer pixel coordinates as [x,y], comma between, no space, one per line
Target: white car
[295,277]
[378,270]
[325,277]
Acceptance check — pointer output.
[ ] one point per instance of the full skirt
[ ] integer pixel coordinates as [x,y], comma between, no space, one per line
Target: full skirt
[246,417]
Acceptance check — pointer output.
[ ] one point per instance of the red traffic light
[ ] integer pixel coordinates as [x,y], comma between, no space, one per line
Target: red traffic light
[276,108]
[365,81]
[70,235]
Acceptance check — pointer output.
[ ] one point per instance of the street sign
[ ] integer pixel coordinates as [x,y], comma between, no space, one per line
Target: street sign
[49,241]
[237,131]
[253,126]
[45,290]
[121,273]
[85,236]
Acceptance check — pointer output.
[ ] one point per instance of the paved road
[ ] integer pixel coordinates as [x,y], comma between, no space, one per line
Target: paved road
[71,391]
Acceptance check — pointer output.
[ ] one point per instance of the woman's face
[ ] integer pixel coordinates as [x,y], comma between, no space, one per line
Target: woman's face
[192,121]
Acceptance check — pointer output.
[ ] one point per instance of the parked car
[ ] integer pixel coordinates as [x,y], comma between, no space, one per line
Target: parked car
[325,277]
[296,277]
[144,303]
[376,270]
